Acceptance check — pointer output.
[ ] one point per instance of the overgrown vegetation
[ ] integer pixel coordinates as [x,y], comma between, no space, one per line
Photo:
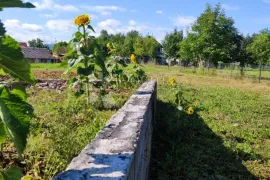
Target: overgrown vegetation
[64,123]
[15,112]
[60,130]
[227,136]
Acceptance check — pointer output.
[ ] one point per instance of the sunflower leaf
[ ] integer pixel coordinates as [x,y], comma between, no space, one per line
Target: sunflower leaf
[13,173]
[15,114]
[91,28]
[12,60]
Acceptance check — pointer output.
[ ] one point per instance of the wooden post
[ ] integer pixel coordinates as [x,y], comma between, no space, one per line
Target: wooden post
[260,75]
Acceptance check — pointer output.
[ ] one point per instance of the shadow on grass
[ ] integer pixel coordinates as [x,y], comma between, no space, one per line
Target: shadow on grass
[184,147]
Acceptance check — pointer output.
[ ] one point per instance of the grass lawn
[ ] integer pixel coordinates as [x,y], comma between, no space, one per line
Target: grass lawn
[47,66]
[228,136]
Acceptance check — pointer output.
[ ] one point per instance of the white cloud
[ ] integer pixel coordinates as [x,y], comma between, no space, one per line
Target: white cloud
[67,7]
[132,23]
[106,13]
[113,26]
[24,32]
[109,24]
[229,8]
[104,10]
[182,21]
[60,25]
[159,12]
[12,24]
[53,15]
[49,4]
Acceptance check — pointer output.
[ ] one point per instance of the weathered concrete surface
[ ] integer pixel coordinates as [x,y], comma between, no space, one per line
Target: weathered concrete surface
[121,150]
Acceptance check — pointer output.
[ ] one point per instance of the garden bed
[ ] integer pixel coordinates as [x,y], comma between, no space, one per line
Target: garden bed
[62,126]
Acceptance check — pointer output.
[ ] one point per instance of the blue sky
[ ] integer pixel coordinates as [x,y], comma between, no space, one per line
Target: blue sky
[52,20]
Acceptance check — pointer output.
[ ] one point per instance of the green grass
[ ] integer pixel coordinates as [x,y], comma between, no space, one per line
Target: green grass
[228,136]
[62,127]
[47,66]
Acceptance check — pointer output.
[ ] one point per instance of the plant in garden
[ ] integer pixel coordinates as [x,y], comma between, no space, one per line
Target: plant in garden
[138,75]
[115,65]
[180,101]
[15,112]
[86,51]
[172,81]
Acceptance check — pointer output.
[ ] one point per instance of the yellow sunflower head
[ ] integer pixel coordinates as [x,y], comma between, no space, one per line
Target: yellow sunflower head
[133,59]
[81,20]
[108,45]
[172,81]
[190,111]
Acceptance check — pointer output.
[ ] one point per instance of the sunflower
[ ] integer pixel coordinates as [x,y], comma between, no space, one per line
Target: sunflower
[133,58]
[108,46]
[83,19]
[190,111]
[172,81]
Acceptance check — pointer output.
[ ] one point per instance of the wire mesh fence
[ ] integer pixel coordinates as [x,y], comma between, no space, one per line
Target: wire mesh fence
[230,70]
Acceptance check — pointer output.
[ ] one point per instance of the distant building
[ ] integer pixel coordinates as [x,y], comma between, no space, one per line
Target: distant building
[62,52]
[23,44]
[39,55]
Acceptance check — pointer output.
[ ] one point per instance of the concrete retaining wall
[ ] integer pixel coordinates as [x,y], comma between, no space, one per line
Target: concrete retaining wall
[122,149]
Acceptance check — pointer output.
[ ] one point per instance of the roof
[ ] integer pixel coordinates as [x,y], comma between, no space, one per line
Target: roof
[37,53]
[23,44]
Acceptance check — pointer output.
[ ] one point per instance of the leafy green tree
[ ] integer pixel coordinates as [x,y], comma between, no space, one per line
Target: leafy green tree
[139,48]
[171,43]
[146,47]
[15,112]
[58,46]
[189,49]
[248,57]
[152,46]
[214,35]
[36,43]
[129,41]
[118,41]
[103,38]
[260,49]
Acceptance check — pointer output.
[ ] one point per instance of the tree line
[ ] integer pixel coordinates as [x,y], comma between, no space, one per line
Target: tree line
[145,47]
[213,38]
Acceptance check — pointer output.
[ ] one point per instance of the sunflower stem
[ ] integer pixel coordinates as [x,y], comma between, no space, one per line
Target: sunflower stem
[87,85]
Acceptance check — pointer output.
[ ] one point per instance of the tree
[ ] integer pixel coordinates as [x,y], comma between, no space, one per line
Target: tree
[103,38]
[151,45]
[58,46]
[118,41]
[171,43]
[130,40]
[139,48]
[37,43]
[187,48]
[146,46]
[213,36]
[260,49]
